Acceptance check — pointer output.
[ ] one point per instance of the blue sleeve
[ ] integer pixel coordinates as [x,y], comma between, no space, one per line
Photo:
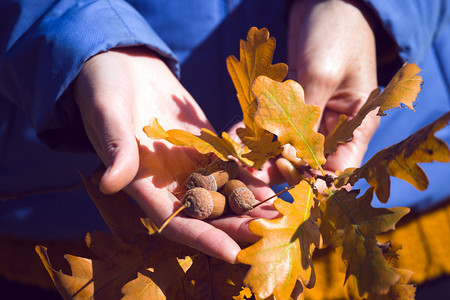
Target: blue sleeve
[43,46]
[413,24]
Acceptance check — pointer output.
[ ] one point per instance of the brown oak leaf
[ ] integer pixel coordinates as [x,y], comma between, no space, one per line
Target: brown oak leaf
[401,160]
[355,224]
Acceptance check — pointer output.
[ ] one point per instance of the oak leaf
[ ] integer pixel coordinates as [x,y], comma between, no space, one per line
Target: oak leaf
[283,254]
[256,54]
[118,263]
[282,110]
[262,146]
[207,142]
[211,278]
[401,160]
[402,290]
[136,263]
[355,224]
[403,88]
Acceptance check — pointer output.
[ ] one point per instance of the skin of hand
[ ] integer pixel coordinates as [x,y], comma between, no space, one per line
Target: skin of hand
[331,53]
[118,92]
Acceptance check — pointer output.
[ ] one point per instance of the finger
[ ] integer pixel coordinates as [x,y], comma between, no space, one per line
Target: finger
[236,227]
[159,205]
[351,154]
[259,188]
[202,236]
[290,173]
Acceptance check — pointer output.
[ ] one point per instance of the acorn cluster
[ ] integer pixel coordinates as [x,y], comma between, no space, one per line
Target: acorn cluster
[212,190]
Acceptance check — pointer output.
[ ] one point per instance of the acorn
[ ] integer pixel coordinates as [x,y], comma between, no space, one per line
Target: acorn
[213,176]
[239,197]
[202,204]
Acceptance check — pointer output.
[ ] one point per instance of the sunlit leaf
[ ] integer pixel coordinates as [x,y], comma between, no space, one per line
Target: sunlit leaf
[283,254]
[402,89]
[256,54]
[262,146]
[401,160]
[207,142]
[282,110]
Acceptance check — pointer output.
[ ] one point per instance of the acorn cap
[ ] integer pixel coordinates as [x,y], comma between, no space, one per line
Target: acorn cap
[230,186]
[199,203]
[202,178]
[241,200]
[223,171]
[202,204]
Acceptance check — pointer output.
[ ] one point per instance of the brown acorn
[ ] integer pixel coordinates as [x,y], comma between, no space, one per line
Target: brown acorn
[213,176]
[239,197]
[202,204]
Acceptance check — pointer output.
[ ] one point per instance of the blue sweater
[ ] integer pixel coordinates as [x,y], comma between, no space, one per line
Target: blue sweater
[44,44]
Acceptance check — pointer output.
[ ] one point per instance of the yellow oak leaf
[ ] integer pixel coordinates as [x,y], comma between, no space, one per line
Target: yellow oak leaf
[256,54]
[282,110]
[403,88]
[283,254]
[401,160]
[207,142]
[355,224]
[262,146]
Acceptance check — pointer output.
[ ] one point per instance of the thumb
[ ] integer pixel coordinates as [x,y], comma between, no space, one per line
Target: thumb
[105,105]
[121,155]
[111,133]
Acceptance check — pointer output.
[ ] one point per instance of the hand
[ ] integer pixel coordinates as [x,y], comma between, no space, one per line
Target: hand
[331,53]
[118,93]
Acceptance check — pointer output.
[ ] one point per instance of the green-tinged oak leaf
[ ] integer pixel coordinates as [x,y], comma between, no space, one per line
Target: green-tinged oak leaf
[355,224]
[256,54]
[283,254]
[401,160]
[282,111]
[206,142]
[403,88]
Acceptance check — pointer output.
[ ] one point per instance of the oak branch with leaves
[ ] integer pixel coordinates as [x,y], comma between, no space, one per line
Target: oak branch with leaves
[274,114]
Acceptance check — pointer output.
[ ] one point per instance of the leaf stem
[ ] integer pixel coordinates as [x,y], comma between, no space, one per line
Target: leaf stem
[171,217]
[322,171]
[347,213]
[273,196]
